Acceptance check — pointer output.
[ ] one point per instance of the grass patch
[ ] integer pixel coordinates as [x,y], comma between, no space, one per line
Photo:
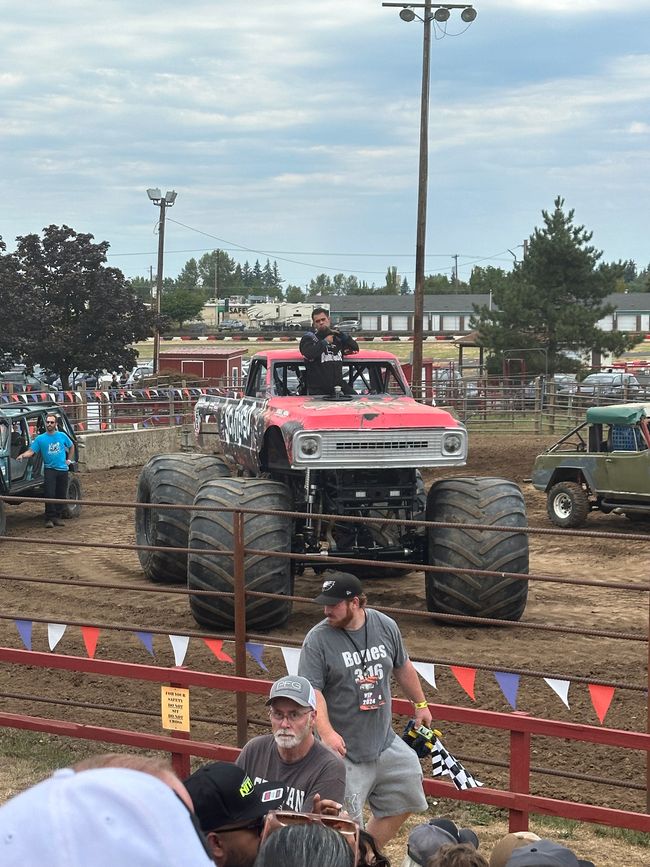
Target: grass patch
[43,753]
[633,838]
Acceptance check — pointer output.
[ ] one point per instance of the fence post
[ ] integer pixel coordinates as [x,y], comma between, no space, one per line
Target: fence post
[180,761]
[240,622]
[519,774]
[171,405]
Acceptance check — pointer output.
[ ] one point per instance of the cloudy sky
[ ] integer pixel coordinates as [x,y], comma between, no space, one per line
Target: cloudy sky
[290,129]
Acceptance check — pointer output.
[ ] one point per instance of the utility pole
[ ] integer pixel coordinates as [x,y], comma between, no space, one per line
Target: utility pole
[163,202]
[455,258]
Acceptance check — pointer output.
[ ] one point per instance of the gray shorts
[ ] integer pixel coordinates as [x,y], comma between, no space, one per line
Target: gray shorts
[391,785]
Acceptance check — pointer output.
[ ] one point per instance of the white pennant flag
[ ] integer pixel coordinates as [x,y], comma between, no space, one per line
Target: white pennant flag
[560,687]
[179,646]
[55,633]
[291,657]
[427,671]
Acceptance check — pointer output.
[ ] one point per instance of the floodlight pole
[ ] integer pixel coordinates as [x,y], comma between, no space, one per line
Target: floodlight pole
[421,228]
[423,173]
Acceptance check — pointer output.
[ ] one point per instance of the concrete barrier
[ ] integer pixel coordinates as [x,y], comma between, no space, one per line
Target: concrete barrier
[102,451]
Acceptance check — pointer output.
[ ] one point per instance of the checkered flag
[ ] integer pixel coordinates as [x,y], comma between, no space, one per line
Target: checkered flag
[444,764]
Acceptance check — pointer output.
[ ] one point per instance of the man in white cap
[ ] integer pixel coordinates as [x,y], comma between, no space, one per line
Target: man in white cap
[313,776]
[349,658]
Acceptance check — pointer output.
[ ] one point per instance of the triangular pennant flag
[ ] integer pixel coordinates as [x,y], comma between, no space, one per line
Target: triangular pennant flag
[257,652]
[179,646]
[465,677]
[509,684]
[601,698]
[55,633]
[147,639]
[90,635]
[427,671]
[291,658]
[560,687]
[24,628]
[215,645]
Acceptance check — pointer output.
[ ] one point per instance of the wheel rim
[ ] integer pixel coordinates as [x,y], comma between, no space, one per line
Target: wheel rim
[562,505]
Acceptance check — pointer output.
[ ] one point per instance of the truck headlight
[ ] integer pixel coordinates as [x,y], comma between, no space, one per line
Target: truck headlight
[452,443]
[309,447]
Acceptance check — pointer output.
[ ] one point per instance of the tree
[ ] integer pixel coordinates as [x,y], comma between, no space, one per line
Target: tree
[437,284]
[554,299]
[405,289]
[63,307]
[392,282]
[485,280]
[294,294]
[180,304]
[142,288]
[320,285]
[189,278]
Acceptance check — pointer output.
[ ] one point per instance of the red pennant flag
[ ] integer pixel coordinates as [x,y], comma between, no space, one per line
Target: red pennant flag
[601,698]
[215,645]
[90,635]
[466,678]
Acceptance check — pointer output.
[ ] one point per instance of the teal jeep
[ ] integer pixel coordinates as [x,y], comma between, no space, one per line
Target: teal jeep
[602,464]
[19,424]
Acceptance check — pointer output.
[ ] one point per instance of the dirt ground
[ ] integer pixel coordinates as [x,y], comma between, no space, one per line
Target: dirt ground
[560,654]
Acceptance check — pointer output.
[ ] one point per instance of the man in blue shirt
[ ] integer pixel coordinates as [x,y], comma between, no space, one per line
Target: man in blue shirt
[57,451]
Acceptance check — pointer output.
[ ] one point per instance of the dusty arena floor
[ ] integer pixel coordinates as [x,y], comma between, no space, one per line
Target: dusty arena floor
[564,654]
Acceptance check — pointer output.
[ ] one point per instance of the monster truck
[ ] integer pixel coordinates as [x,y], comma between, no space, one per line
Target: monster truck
[602,464]
[19,424]
[333,458]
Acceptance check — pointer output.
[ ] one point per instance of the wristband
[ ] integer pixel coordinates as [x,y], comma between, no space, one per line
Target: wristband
[418,705]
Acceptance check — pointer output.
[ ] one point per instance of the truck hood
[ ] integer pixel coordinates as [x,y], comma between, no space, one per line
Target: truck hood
[362,412]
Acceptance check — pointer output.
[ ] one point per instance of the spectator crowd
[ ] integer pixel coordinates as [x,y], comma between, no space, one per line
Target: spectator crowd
[297,797]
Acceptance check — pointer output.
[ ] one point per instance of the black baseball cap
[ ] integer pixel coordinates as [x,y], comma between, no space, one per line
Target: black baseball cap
[337,587]
[224,795]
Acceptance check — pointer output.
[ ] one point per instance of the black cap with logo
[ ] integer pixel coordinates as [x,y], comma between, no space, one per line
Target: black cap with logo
[224,795]
[337,587]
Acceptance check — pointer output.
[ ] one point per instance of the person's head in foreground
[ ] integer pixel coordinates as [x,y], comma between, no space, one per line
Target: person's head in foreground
[157,766]
[100,818]
[425,840]
[305,845]
[545,853]
[504,847]
[457,855]
[231,811]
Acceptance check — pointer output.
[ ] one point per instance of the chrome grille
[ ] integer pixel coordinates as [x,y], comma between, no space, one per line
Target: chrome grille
[399,448]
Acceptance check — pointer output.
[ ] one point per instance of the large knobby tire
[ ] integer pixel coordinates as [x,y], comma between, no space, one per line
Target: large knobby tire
[173,479]
[489,502]
[207,570]
[73,510]
[567,504]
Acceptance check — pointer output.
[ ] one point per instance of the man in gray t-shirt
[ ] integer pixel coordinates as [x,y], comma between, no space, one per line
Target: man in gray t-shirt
[312,774]
[349,658]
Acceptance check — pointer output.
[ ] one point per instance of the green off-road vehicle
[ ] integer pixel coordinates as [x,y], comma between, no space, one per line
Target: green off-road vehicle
[602,464]
[19,425]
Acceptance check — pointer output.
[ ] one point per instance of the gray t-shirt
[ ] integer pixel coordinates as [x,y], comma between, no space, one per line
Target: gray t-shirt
[352,669]
[320,772]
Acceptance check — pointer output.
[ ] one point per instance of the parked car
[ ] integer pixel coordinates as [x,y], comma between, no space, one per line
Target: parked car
[21,381]
[561,380]
[231,325]
[348,325]
[602,386]
[140,372]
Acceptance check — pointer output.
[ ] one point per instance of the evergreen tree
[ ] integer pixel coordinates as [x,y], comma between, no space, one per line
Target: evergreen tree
[189,278]
[392,282]
[405,288]
[554,299]
[256,276]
